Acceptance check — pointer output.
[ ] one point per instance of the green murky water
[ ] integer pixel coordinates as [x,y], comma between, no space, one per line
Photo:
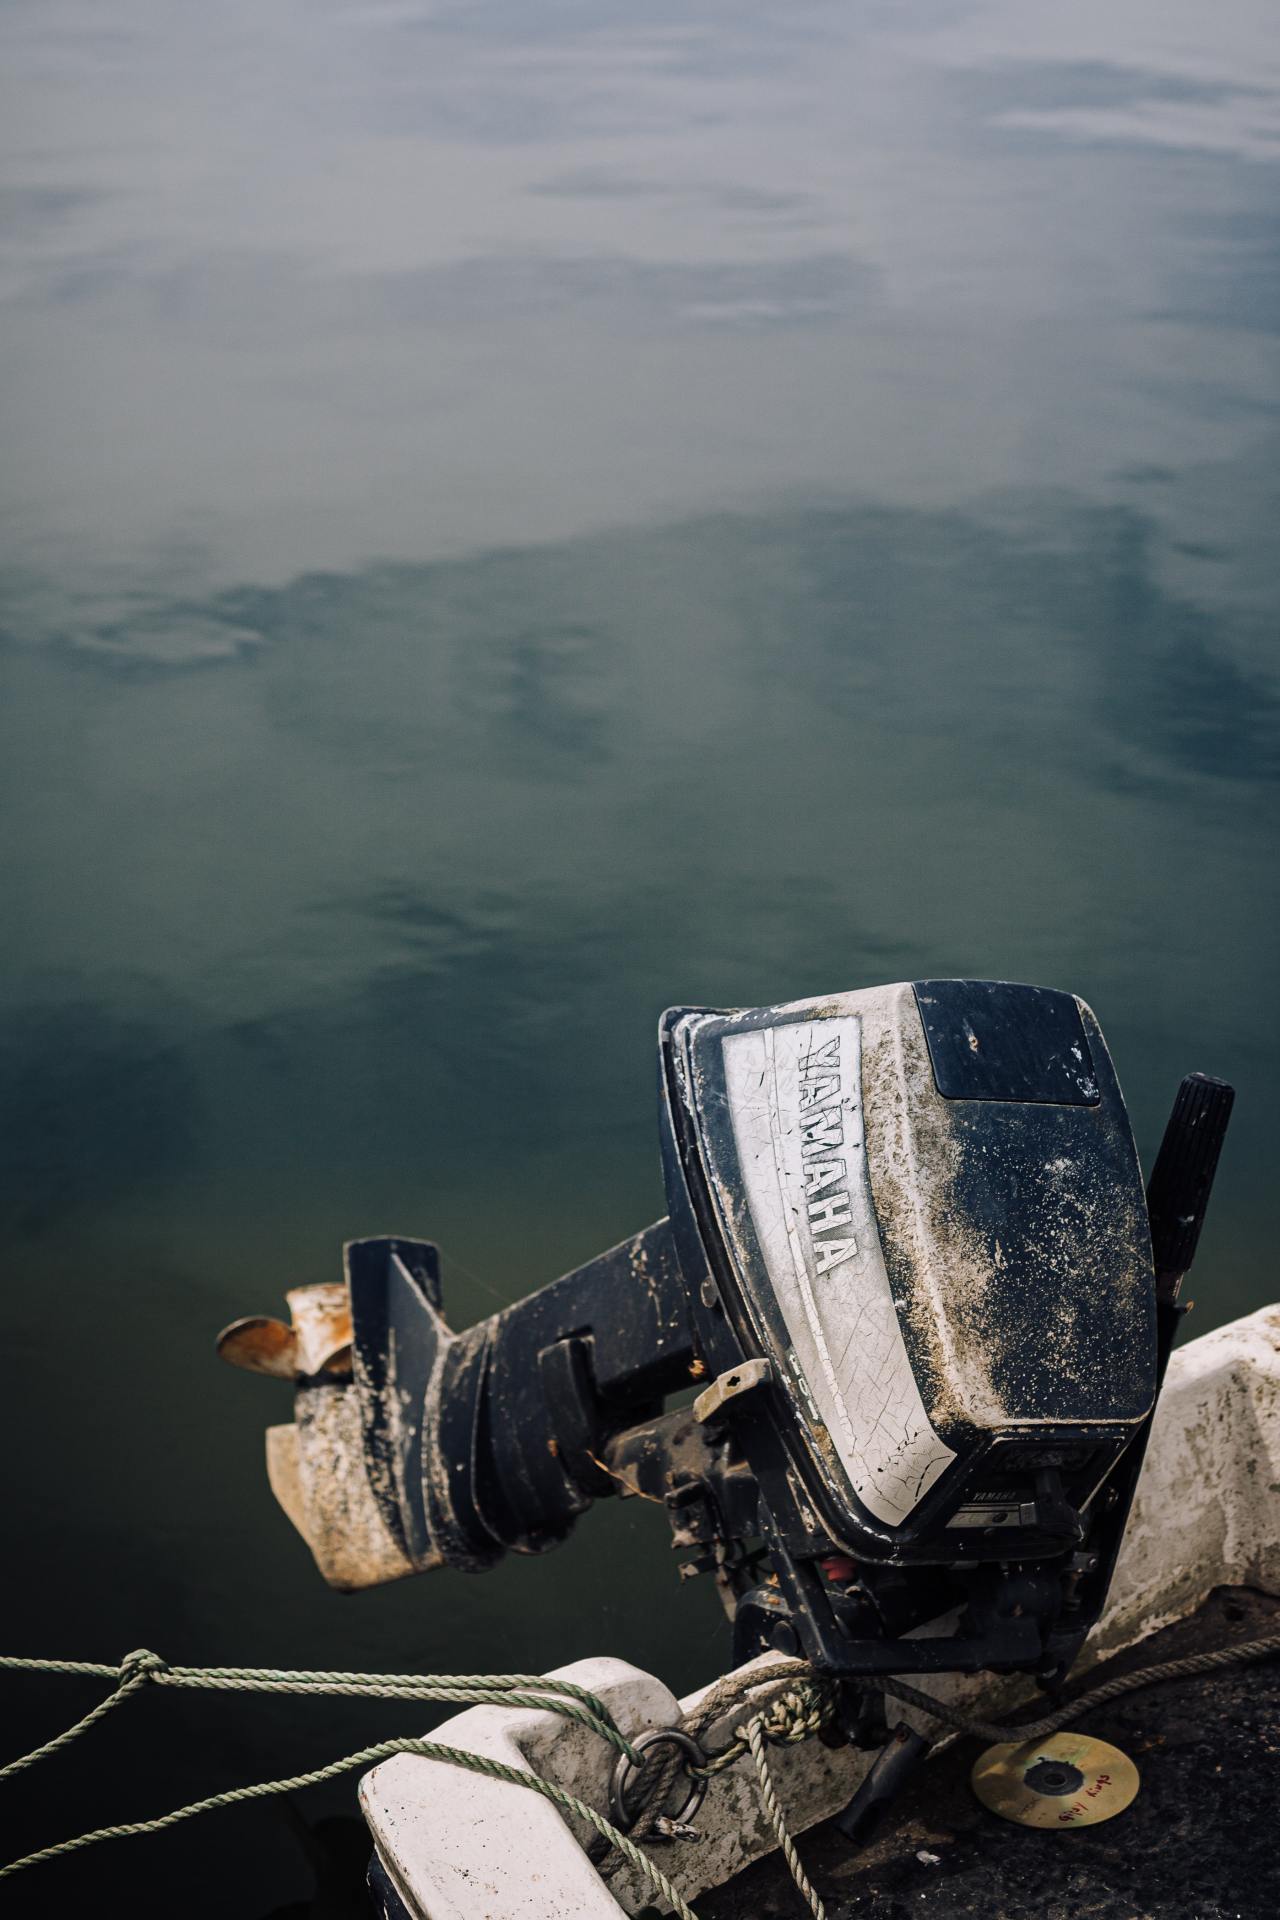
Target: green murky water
[513,518]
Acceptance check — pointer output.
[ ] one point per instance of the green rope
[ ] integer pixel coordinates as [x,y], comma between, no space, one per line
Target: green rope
[141,1668]
[166,1675]
[464,1689]
[369,1756]
[443,1695]
[92,1669]
[753,1735]
[130,1684]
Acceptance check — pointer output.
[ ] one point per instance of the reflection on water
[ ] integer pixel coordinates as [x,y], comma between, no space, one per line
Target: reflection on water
[407,280]
[514,519]
[92,1108]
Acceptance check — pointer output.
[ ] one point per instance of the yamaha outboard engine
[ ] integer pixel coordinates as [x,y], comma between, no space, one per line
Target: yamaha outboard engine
[911,1263]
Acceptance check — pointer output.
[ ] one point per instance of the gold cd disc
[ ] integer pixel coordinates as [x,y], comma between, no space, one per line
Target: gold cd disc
[1068,1780]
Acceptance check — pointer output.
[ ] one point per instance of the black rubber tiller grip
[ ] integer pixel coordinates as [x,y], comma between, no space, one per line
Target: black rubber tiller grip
[1182,1178]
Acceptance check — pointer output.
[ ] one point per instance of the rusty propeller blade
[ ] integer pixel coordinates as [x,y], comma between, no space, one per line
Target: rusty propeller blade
[319,1341]
[260,1345]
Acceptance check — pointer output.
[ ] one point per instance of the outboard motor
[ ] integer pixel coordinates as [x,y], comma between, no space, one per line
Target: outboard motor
[910,1260]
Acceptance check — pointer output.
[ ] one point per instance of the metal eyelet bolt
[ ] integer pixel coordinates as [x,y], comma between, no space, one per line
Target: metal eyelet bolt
[623,1776]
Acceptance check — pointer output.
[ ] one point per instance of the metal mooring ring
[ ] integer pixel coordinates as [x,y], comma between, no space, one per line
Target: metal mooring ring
[626,1769]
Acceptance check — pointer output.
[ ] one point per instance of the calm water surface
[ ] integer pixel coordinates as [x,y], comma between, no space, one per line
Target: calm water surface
[513,517]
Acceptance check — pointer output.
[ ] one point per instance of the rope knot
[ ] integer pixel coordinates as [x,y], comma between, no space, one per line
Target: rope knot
[797,1714]
[141,1664]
